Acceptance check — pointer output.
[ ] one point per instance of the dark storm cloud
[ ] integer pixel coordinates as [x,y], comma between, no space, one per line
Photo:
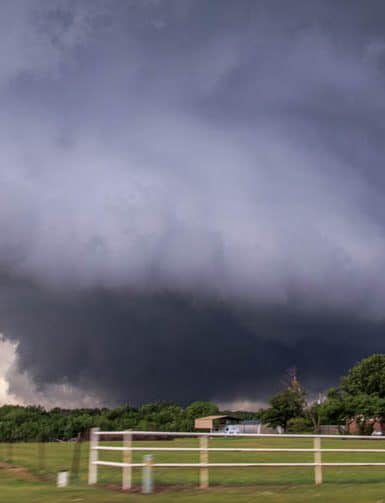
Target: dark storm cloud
[191,193]
[126,347]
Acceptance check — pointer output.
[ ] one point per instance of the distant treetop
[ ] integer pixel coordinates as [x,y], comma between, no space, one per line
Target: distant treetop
[367,377]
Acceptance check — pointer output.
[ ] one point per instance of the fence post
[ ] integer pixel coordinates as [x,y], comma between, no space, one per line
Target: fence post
[93,458]
[317,461]
[41,456]
[9,452]
[147,482]
[127,458]
[75,465]
[204,459]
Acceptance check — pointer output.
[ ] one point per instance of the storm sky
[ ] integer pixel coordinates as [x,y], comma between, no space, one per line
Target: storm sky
[191,196]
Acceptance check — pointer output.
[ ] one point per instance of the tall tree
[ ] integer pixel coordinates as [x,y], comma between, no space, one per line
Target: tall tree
[285,405]
[361,395]
[367,377]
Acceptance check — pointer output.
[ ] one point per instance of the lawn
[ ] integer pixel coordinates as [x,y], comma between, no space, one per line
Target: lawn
[18,490]
[36,482]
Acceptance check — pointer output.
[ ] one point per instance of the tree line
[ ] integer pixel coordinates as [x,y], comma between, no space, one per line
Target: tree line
[34,423]
[360,395]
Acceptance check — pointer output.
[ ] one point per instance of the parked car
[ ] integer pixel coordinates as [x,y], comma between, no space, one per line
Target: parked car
[232,429]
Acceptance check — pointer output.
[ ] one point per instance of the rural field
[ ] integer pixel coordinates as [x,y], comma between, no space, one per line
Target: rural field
[29,469]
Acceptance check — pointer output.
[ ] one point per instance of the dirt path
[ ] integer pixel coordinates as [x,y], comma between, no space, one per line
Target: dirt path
[20,472]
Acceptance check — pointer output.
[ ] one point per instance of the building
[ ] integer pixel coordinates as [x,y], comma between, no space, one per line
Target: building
[214,423]
[232,426]
[360,425]
[256,427]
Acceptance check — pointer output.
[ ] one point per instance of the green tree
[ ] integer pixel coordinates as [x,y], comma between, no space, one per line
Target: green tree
[201,409]
[299,425]
[361,395]
[285,405]
[367,377]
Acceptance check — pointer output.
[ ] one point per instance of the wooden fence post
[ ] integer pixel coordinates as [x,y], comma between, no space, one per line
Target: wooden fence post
[127,458]
[41,456]
[204,459]
[317,461]
[75,465]
[93,467]
[9,452]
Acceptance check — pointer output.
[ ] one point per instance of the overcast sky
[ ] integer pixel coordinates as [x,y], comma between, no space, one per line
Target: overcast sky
[191,197]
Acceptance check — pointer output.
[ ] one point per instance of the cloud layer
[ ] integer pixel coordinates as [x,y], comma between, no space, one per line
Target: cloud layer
[191,194]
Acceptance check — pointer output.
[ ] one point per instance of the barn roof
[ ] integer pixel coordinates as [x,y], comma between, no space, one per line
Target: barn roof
[214,418]
[217,417]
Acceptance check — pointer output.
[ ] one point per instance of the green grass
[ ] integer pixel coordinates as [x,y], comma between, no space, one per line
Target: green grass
[359,484]
[14,490]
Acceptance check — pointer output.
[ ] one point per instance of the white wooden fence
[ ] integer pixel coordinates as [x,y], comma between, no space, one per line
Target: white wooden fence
[128,449]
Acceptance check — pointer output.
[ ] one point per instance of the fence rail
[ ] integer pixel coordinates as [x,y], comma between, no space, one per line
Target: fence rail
[227,435]
[203,465]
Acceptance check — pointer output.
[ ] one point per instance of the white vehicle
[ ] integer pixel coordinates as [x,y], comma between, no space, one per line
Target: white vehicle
[232,429]
[250,427]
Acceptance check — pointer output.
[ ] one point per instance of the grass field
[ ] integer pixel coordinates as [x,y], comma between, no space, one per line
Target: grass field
[36,482]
